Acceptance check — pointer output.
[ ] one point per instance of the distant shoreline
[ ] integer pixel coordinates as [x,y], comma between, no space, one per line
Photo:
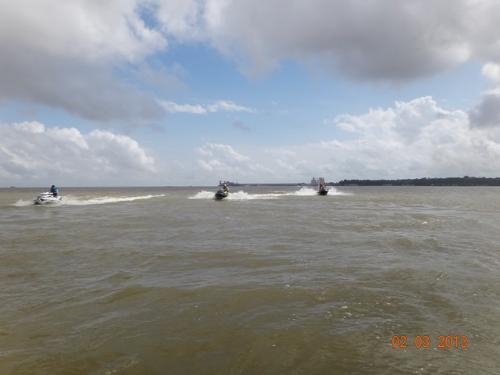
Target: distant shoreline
[425,181]
[443,181]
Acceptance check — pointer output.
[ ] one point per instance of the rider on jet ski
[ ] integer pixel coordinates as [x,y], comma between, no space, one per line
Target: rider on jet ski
[54,190]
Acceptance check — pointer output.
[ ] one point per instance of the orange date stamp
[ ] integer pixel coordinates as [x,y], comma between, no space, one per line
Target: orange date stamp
[443,342]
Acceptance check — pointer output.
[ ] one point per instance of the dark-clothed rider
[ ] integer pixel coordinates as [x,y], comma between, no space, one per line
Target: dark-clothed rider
[54,190]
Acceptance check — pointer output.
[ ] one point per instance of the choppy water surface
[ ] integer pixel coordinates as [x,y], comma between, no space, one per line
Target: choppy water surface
[272,281]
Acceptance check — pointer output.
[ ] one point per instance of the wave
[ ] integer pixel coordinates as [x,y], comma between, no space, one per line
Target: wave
[306,192]
[71,201]
[79,201]
[236,196]
[303,192]
[23,203]
[242,195]
[203,195]
[334,191]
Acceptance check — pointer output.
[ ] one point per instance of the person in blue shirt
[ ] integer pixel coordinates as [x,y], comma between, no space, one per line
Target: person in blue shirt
[54,190]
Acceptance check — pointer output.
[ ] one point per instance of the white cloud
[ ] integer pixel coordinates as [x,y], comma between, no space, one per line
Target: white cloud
[228,106]
[411,139]
[93,31]
[492,72]
[173,107]
[224,162]
[31,154]
[179,17]
[219,106]
[369,40]
[77,55]
[62,55]
[391,40]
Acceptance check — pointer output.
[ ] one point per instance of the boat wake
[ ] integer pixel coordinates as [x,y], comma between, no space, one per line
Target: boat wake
[236,196]
[304,192]
[241,195]
[69,200]
[23,203]
[332,192]
[308,192]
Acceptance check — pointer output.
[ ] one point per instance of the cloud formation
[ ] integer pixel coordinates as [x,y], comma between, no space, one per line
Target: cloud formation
[63,55]
[77,55]
[411,139]
[487,112]
[199,109]
[31,154]
[224,162]
[492,71]
[367,40]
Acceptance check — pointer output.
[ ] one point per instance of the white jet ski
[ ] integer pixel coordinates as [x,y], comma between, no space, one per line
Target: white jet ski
[47,198]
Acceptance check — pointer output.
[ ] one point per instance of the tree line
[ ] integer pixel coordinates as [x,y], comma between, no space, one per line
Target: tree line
[425,181]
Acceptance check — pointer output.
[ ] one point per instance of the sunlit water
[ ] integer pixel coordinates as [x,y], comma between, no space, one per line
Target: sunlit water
[271,281]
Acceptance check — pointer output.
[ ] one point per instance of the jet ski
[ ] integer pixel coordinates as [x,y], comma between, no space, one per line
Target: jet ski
[47,198]
[322,191]
[221,194]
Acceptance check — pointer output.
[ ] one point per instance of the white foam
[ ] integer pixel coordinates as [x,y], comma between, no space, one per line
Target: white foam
[203,195]
[69,200]
[236,196]
[75,201]
[306,192]
[332,191]
[303,192]
[242,195]
[23,203]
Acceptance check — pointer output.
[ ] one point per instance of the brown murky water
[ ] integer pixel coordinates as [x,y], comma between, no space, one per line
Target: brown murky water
[272,281]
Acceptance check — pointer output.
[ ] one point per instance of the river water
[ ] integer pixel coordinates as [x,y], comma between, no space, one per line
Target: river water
[273,280]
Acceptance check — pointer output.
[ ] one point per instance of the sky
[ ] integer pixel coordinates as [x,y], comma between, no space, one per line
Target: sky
[189,92]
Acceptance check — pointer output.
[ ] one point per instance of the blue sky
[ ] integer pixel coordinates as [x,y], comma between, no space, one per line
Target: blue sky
[189,92]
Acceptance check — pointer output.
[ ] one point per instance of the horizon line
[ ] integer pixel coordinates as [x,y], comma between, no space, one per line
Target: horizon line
[257,183]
